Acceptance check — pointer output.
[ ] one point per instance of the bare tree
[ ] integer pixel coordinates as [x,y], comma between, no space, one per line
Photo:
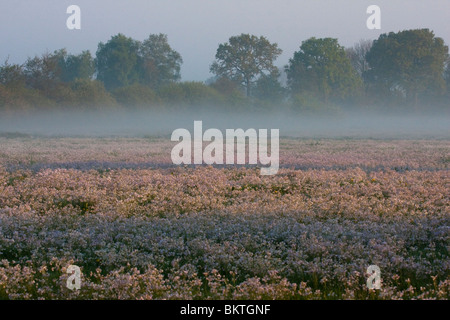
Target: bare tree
[357,55]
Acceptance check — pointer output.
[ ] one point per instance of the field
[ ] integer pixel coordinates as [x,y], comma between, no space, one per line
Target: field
[142,228]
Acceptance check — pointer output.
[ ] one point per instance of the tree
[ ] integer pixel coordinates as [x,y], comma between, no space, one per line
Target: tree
[269,89]
[44,73]
[410,61]
[224,85]
[136,96]
[321,67]
[91,94]
[190,93]
[357,55]
[80,66]
[447,74]
[11,75]
[116,62]
[160,64]
[244,58]
[123,61]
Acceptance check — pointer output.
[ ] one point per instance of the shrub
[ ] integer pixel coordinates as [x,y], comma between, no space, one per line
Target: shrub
[310,104]
[91,94]
[22,100]
[136,96]
[193,93]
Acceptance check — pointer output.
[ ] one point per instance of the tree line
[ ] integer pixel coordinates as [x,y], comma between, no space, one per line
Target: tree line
[407,70]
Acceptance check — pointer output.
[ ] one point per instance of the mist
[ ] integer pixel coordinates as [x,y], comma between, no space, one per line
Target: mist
[162,123]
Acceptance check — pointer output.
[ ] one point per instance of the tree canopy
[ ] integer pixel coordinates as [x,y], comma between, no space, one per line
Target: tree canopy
[11,75]
[44,72]
[123,61]
[81,66]
[396,71]
[410,61]
[244,58]
[322,67]
[116,61]
[159,63]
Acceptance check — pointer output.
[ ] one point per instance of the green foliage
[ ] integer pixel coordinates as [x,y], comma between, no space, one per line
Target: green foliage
[232,95]
[244,58]
[136,96]
[11,75]
[321,67]
[410,61]
[226,86]
[159,63]
[15,97]
[123,61]
[80,66]
[396,70]
[269,89]
[193,93]
[308,103]
[22,100]
[44,73]
[116,61]
[91,94]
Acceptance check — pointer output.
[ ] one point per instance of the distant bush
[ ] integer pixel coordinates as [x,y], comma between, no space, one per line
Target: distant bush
[226,86]
[92,94]
[136,96]
[269,89]
[311,104]
[22,100]
[233,94]
[195,94]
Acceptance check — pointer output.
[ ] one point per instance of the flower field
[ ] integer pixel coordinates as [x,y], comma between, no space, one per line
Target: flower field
[142,228]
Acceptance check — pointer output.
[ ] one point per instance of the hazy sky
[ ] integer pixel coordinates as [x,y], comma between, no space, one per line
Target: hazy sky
[196,27]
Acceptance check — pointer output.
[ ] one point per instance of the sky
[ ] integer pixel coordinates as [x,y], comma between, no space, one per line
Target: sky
[195,28]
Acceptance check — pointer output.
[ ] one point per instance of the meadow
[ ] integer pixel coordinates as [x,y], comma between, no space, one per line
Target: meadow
[142,228]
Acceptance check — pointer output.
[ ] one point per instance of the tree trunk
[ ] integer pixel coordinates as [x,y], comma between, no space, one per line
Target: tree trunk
[247,85]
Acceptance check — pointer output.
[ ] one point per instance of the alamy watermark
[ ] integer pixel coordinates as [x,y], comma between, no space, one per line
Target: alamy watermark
[74,280]
[213,152]
[374,280]
[73,22]
[374,20]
